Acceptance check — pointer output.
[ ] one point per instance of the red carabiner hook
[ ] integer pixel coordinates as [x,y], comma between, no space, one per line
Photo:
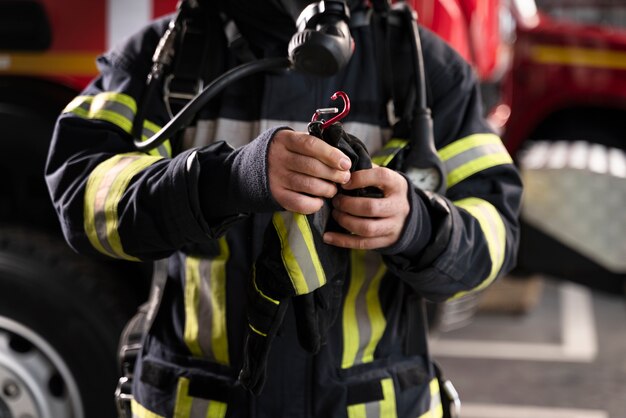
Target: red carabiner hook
[337,117]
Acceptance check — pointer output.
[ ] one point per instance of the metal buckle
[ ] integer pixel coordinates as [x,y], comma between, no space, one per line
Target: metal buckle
[177,95]
[123,397]
[453,399]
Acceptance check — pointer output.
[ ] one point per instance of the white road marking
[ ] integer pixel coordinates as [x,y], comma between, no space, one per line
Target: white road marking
[476,410]
[578,336]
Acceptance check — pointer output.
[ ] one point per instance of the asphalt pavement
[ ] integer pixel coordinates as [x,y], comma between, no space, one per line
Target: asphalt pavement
[564,358]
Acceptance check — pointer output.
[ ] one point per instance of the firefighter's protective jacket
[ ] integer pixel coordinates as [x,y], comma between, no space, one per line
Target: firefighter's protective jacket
[202,200]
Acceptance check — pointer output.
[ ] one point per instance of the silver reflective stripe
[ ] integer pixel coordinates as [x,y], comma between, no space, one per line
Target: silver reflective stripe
[363,319]
[100,213]
[148,131]
[189,407]
[493,229]
[372,264]
[372,410]
[238,133]
[205,331]
[298,251]
[103,103]
[205,309]
[473,154]
[116,108]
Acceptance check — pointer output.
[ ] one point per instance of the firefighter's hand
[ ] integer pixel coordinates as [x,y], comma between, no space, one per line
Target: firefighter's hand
[373,222]
[303,171]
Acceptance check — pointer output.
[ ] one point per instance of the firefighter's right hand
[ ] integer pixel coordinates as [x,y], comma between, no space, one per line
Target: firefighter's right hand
[303,171]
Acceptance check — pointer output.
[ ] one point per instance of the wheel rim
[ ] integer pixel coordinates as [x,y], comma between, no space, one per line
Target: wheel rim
[35,381]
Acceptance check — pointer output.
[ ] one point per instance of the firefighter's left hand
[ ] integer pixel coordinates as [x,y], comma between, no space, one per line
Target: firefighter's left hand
[373,222]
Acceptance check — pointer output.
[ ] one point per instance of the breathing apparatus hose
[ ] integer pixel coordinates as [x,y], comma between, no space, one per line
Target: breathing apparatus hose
[184,117]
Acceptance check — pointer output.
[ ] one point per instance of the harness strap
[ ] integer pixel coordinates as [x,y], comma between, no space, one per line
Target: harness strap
[203,386]
[185,80]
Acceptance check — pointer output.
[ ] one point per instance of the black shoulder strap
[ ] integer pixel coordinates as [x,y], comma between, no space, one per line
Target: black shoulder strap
[185,79]
[399,68]
[198,58]
[188,55]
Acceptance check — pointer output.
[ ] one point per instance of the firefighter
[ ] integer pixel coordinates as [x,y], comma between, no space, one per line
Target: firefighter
[205,200]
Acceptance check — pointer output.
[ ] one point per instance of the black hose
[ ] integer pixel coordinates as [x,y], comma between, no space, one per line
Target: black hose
[418,59]
[187,113]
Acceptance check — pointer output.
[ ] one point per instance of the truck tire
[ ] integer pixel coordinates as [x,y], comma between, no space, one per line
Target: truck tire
[60,319]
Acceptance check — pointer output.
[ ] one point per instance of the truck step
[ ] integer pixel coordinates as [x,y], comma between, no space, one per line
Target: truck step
[575,191]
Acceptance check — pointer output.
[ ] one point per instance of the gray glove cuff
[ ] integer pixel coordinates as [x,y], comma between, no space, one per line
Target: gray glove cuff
[417,228]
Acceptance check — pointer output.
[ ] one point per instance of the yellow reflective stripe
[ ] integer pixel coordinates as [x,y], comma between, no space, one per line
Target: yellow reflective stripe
[473,167]
[151,128]
[205,330]
[578,56]
[79,104]
[388,404]
[119,109]
[363,318]
[263,295]
[182,407]
[385,408]
[116,108]
[257,331]
[376,316]
[464,144]
[105,187]
[192,296]
[298,252]
[139,411]
[104,99]
[492,226]
[188,407]
[216,409]
[435,409]
[472,154]
[357,411]
[219,335]
[384,156]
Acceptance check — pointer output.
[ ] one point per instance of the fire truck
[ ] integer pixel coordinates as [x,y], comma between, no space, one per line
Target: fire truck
[61,314]
[562,115]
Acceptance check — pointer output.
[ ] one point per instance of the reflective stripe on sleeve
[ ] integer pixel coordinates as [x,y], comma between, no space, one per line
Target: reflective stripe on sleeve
[298,252]
[384,156]
[139,411]
[205,306]
[188,407]
[118,109]
[363,318]
[105,187]
[149,129]
[472,154]
[492,227]
[385,408]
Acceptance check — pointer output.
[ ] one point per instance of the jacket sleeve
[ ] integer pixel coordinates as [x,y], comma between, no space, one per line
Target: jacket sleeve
[114,201]
[474,226]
